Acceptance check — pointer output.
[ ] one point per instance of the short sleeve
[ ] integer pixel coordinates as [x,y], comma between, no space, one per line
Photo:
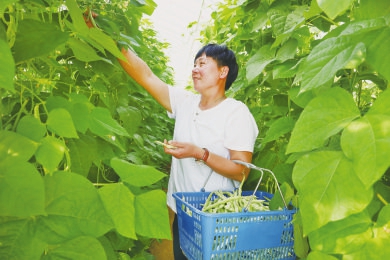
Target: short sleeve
[177,96]
[241,130]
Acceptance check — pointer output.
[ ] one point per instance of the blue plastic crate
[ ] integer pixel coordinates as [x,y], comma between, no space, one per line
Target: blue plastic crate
[233,236]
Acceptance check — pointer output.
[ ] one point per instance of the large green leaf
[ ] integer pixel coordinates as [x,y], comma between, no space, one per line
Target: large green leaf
[103,124]
[80,248]
[50,153]
[334,8]
[131,118]
[99,37]
[329,189]
[152,215]
[136,175]
[376,43]
[18,240]
[31,127]
[372,9]
[287,51]
[327,58]
[367,141]
[119,203]
[13,145]
[35,38]
[375,248]
[343,236]
[7,64]
[256,64]
[60,122]
[323,117]
[21,189]
[74,209]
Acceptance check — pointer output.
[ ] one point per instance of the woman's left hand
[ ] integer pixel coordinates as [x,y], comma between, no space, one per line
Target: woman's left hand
[183,150]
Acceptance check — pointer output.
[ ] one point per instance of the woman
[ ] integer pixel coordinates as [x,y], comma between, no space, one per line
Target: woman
[210,129]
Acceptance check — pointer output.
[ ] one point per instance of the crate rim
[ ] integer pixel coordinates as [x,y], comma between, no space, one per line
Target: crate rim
[230,214]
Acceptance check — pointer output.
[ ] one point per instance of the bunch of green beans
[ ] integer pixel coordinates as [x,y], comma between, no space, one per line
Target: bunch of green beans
[226,201]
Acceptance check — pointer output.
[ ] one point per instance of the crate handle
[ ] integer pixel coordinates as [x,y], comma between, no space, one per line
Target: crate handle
[252,166]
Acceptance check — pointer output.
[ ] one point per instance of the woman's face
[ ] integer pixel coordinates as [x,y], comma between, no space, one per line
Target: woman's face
[205,73]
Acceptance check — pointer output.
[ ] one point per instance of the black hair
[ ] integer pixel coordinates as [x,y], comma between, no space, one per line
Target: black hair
[224,57]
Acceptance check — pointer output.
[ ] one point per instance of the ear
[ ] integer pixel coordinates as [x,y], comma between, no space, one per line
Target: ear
[224,72]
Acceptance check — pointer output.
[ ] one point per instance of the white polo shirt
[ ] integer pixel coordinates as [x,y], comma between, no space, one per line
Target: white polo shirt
[229,125]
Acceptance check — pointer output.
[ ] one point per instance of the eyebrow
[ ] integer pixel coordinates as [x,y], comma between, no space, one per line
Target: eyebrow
[201,58]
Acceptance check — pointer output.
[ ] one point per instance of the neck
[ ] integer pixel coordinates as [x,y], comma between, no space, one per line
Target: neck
[209,103]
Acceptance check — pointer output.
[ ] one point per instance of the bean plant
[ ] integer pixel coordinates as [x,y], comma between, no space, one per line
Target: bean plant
[315,75]
[80,174]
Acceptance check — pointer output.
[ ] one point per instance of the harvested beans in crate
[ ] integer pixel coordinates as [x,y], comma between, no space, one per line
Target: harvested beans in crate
[233,236]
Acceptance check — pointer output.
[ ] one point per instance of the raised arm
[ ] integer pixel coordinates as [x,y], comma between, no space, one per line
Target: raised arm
[139,71]
[143,75]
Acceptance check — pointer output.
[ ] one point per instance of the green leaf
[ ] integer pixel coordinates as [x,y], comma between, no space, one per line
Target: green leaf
[83,51]
[327,58]
[34,39]
[74,209]
[136,175]
[384,216]
[376,248]
[13,145]
[323,117]
[105,41]
[81,248]
[301,99]
[21,189]
[18,239]
[256,64]
[301,244]
[277,17]
[334,8]
[60,122]
[7,64]
[372,9]
[50,153]
[77,17]
[54,102]
[131,118]
[329,189]
[80,113]
[381,106]
[5,3]
[119,203]
[317,255]
[82,152]
[152,215]
[103,124]
[287,51]
[366,142]
[376,47]
[287,69]
[31,127]
[343,236]
[278,128]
